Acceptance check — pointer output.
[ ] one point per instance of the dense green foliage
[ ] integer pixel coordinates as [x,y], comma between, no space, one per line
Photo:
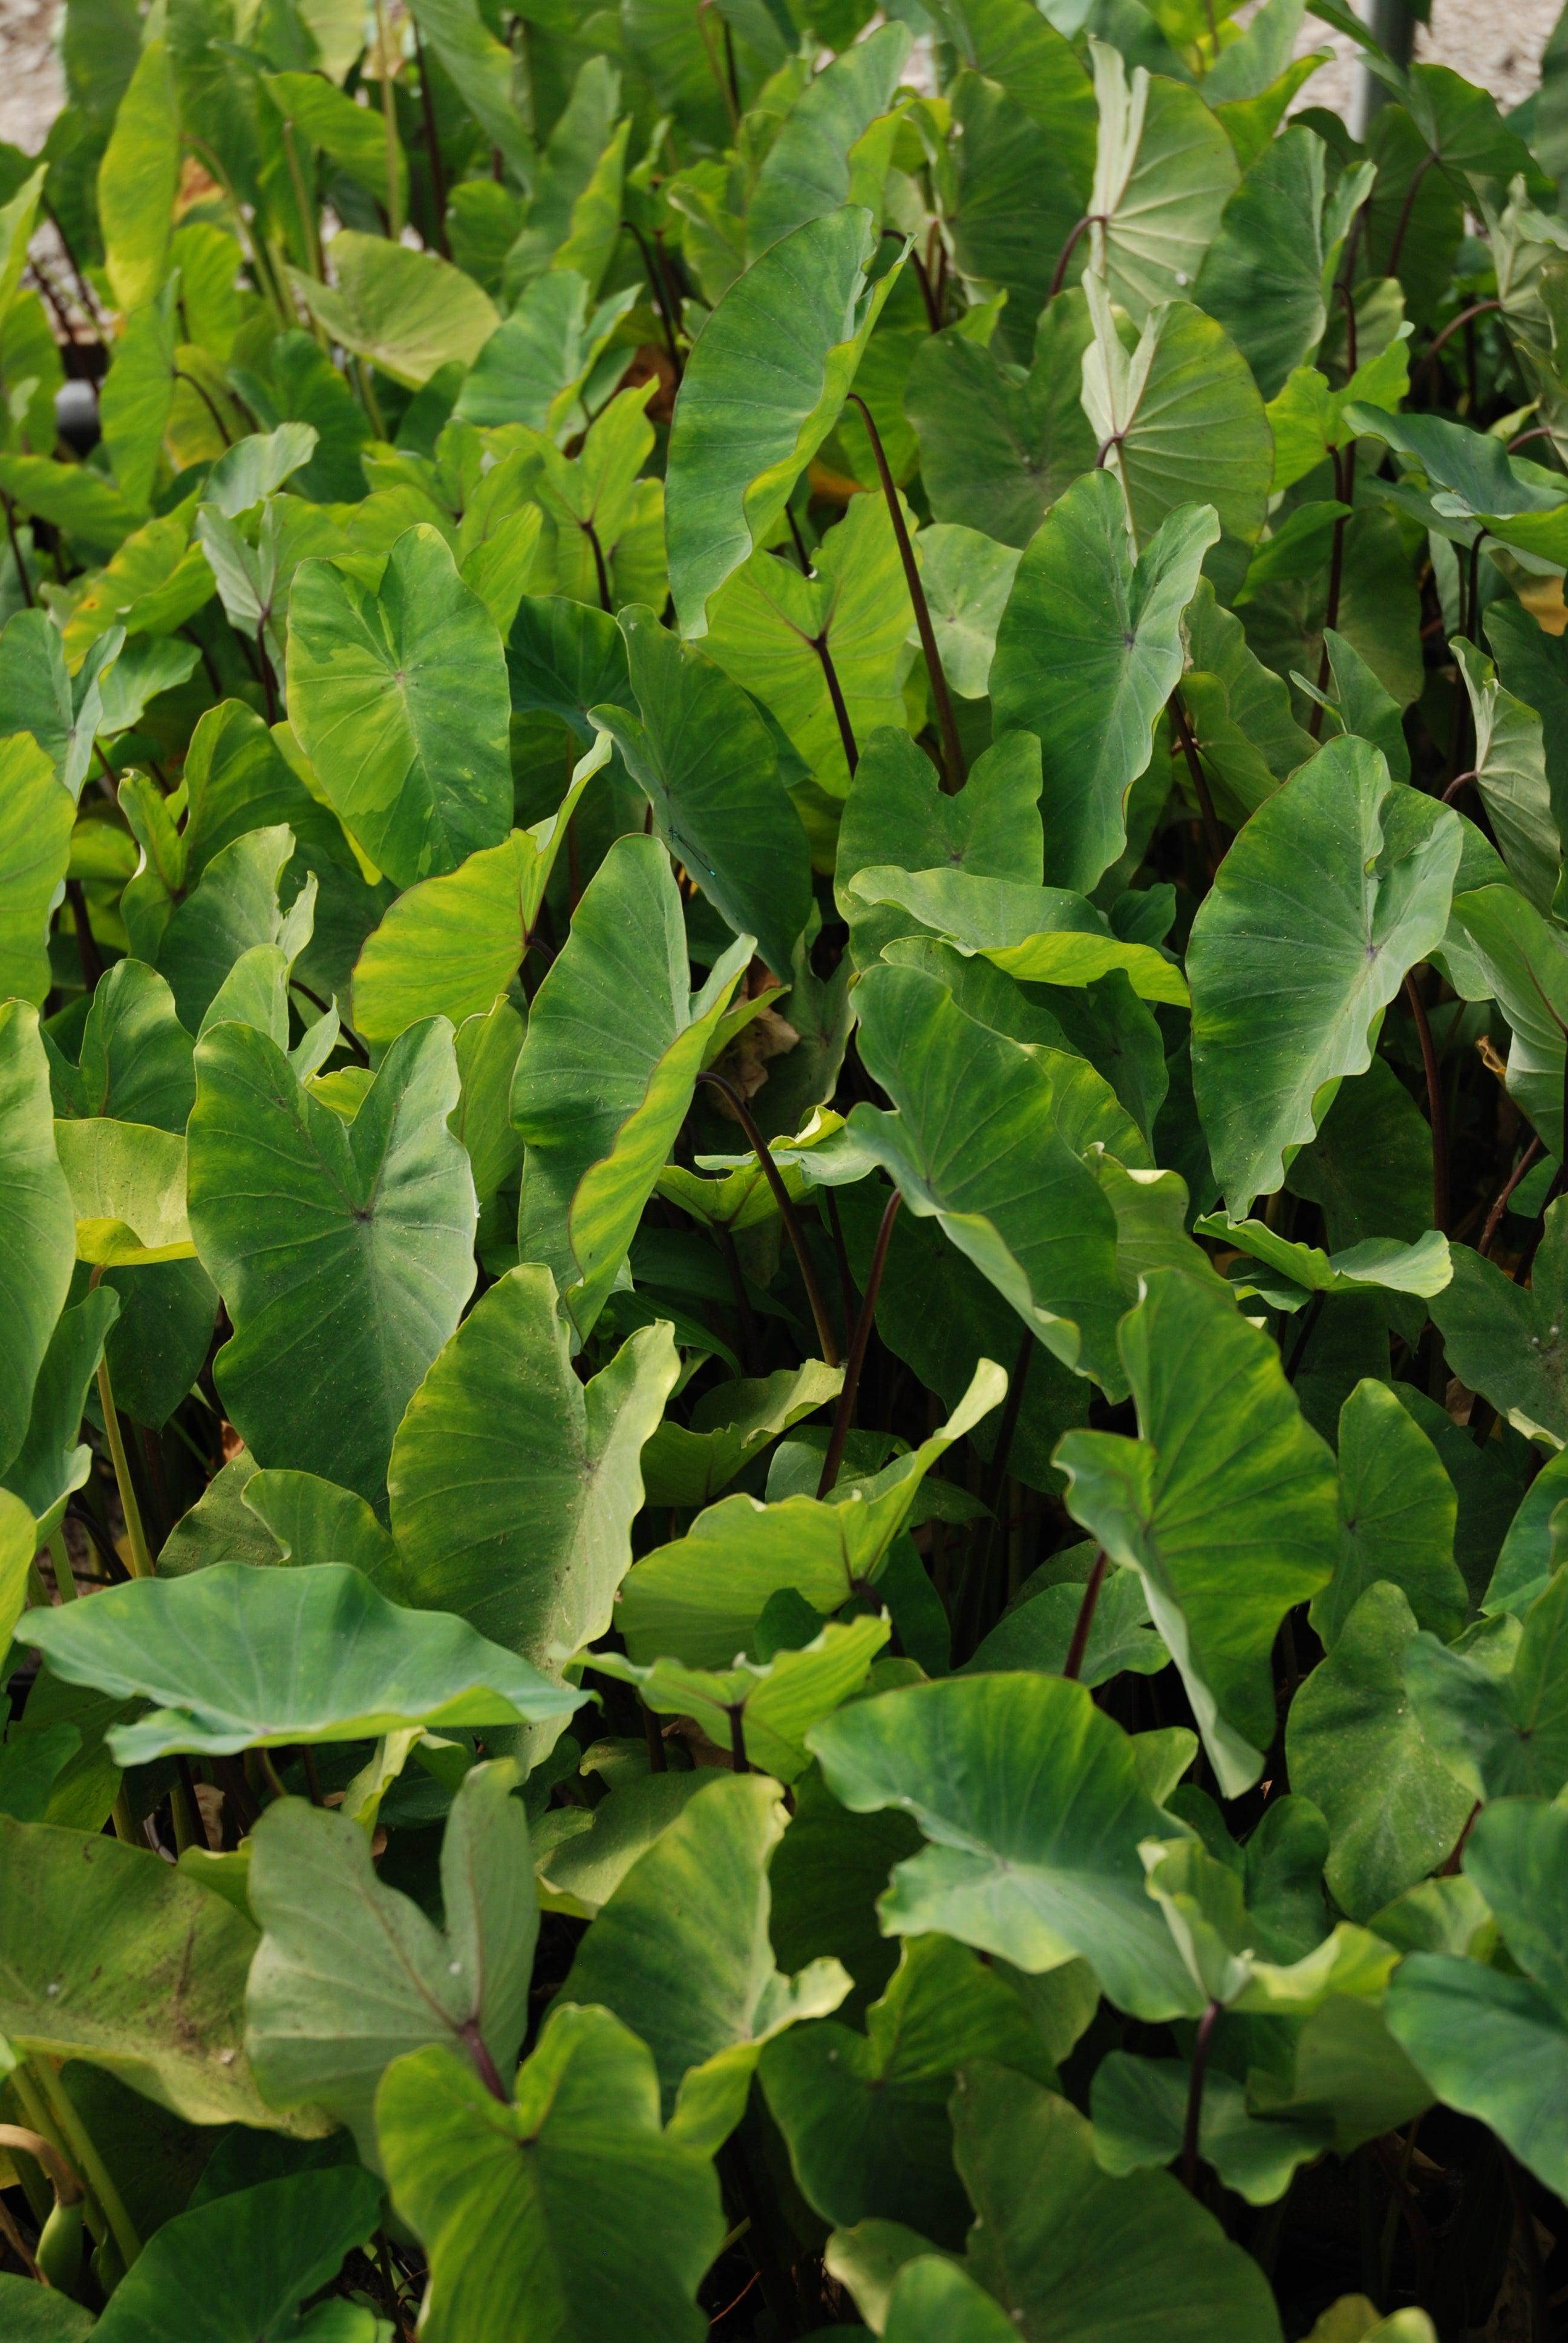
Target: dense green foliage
[783,994]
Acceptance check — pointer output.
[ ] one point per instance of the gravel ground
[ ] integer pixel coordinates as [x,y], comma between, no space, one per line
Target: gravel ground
[1495,42]
[30,85]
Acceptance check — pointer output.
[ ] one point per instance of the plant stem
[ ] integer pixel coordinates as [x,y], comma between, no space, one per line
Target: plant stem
[432,143]
[730,66]
[953,752]
[85,2157]
[657,1755]
[474,2042]
[845,1413]
[797,1235]
[1397,246]
[136,1536]
[64,1576]
[264,671]
[68,2189]
[1069,248]
[254,245]
[737,1757]
[86,942]
[94,315]
[389,121]
[847,1294]
[309,233]
[751,1346]
[660,295]
[721,81]
[928,291]
[1476,309]
[1008,1424]
[389,2285]
[1336,580]
[1195,2098]
[600,572]
[1199,778]
[1314,1311]
[1085,1619]
[835,693]
[1434,1105]
[1472,588]
[16,2241]
[1494,1217]
[23,579]
[368,399]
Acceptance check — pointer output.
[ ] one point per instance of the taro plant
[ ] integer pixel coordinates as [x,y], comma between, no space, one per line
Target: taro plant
[783,1364]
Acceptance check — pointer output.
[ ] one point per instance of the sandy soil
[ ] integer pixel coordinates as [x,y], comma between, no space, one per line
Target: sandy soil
[30,84]
[1497,43]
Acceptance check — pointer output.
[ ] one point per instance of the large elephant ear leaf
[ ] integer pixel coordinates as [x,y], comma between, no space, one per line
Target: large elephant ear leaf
[864,2114]
[481,71]
[775,632]
[1494,2044]
[37,1222]
[109,1954]
[1046,2215]
[239,1658]
[570,2208]
[1179,417]
[1507,1341]
[1088,653]
[1290,983]
[411,312]
[1164,171]
[1356,1748]
[513,1485]
[996,452]
[399,700]
[702,1599]
[1500,948]
[605,1078]
[1047,1239]
[1264,274]
[1053,1878]
[707,763]
[1399,1510]
[1015,188]
[138,178]
[762,390]
[1225,1468]
[345,1249]
[290,2237]
[350,1973]
[1501,1729]
[681,1953]
[37,815]
[450,944]
[53,1461]
[809,169]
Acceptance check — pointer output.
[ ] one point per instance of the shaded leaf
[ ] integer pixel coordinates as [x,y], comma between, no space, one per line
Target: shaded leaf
[350,1975]
[515,2204]
[240,1658]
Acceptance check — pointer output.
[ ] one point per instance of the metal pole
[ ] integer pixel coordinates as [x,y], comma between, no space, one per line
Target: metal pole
[1391,23]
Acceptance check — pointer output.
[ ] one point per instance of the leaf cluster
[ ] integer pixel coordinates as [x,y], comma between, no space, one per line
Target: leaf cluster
[783,1055]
